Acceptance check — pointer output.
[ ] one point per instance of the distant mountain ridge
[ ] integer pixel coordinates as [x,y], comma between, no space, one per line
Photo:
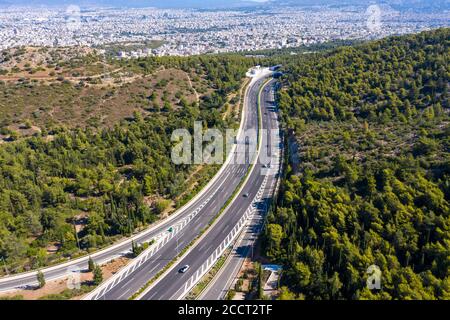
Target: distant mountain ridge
[209,4]
[130,3]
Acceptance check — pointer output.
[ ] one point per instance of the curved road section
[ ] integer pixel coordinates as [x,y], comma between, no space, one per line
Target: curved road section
[128,282]
[175,284]
[193,217]
[243,248]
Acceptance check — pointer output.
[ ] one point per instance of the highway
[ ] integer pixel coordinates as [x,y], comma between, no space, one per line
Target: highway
[221,190]
[225,279]
[207,203]
[232,175]
[173,283]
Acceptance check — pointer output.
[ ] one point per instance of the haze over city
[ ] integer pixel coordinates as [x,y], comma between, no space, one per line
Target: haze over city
[404,4]
[188,31]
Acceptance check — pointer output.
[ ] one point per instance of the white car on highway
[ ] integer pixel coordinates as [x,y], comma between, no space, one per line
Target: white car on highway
[184,269]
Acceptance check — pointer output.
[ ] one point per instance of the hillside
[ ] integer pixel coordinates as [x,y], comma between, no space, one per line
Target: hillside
[367,181]
[85,152]
[73,87]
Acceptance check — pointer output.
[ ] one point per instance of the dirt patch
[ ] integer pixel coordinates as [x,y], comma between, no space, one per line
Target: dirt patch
[59,285]
[81,104]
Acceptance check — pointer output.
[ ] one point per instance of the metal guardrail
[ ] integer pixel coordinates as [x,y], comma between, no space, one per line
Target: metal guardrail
[212,259]
[277,172]
[150,252]
[161,241]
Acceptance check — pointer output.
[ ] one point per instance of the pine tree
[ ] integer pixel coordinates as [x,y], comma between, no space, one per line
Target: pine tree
[40,279]
[260,283]
[91,265]
[98,275]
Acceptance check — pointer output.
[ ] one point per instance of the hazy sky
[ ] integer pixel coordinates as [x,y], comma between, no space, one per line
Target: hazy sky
[130,3]
[442,4]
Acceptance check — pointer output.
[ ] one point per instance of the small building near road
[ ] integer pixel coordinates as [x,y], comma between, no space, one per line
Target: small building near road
[271,285]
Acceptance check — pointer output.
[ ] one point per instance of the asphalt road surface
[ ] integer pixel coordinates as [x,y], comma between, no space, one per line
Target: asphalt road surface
[244,246]
[222,190]
[218,191]
[172,285]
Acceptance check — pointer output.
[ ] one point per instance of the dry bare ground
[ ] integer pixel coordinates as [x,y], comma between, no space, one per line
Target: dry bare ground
[59,285]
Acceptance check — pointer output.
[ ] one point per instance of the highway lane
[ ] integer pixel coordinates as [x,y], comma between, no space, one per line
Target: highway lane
[244,246]
[232,174]
[223,190]
[225,279]
[172,285]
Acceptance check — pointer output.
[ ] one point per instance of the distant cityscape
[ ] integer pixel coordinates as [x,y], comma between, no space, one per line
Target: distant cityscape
[181,32]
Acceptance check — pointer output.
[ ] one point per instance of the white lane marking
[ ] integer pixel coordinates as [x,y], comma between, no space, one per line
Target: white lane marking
[125,284]
[151,270]
[246,217]
[167,239]
[202,247]
[124,293]
[219,251]
[150,298]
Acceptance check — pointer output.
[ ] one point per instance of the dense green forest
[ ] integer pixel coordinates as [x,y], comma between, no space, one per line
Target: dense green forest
[78,189]
[367,181]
